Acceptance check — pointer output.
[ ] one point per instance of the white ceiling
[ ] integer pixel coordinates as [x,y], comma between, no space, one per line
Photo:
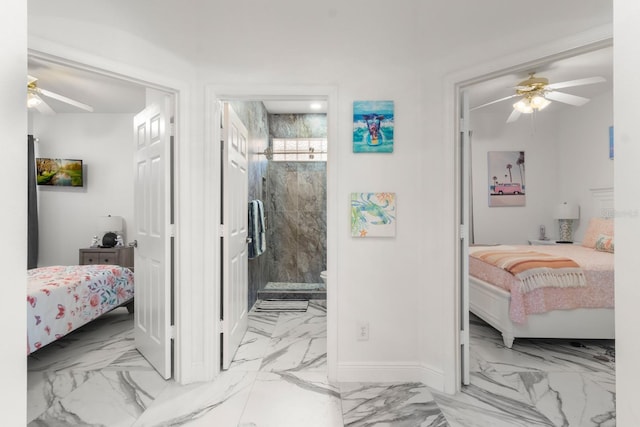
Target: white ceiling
[111,95]
[596,63]
[104,94]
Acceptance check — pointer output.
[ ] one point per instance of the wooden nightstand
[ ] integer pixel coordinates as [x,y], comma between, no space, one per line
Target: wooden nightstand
[122,255]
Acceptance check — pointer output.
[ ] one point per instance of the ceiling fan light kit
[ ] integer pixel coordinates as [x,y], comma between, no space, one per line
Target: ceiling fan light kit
[536,94]
[35,101]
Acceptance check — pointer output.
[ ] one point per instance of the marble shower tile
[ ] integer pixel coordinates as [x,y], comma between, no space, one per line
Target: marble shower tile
[389,404]
[287,399]
[312,188]
[282,178]
[215,403]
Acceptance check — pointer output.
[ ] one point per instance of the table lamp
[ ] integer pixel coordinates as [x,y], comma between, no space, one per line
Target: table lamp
[565,213]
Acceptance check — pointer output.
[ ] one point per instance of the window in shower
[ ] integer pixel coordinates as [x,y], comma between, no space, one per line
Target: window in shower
[299,149]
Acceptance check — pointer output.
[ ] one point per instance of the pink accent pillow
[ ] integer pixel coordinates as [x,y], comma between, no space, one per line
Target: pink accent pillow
[597,227]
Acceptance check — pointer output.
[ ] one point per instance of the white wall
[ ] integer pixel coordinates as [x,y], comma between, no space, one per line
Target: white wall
[583,156]
[13,214]
[566,155]
[536,137]
[627,223]
[68,217]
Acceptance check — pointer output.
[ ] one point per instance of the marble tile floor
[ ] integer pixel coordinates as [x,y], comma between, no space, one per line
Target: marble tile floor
[95,377]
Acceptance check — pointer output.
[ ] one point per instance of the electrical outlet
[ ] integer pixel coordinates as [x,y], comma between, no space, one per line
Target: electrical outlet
[363,331]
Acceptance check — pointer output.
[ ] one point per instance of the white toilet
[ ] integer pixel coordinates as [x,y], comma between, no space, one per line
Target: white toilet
[323,276]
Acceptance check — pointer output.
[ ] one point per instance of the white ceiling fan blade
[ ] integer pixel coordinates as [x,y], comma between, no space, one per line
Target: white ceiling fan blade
[65,99]
[515,114]
[43,107]
[493,102]
[567,98]
[579,82]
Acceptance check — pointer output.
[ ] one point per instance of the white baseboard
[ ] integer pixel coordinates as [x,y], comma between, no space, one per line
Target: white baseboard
[386,373]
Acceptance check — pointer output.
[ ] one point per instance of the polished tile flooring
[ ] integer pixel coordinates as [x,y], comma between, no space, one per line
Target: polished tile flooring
[95,377]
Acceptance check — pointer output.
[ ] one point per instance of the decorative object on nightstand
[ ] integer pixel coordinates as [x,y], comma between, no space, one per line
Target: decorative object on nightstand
[543,233]
[565,213]
[109,228]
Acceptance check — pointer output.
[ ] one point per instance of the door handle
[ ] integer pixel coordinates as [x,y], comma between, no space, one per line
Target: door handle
[133,244]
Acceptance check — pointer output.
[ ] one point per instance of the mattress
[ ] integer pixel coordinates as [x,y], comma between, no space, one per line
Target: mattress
[60,299]
[597,267]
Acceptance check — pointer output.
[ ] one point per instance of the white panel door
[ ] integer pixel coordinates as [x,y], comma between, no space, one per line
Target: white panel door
[152,301]
[465,167]
[235,229]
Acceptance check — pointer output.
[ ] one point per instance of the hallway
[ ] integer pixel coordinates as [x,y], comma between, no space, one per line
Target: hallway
[278,379]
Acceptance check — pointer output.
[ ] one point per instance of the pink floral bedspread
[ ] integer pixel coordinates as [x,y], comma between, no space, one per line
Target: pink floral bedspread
[63,298]
[598,271]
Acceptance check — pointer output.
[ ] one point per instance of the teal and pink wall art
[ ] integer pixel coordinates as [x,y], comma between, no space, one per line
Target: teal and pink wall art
[373,123]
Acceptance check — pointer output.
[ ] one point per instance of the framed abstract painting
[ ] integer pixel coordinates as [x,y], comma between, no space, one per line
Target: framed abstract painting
[373,126]
[373,214]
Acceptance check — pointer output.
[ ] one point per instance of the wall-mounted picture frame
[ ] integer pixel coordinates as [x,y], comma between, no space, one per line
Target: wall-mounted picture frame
[506,178]
[373,214]
[373,126]
[59,172]
[611,142]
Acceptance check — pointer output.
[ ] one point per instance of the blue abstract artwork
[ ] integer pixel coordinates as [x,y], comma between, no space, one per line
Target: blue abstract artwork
[373,125]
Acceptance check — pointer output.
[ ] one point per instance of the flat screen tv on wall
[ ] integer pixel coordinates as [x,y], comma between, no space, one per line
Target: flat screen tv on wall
[59,172]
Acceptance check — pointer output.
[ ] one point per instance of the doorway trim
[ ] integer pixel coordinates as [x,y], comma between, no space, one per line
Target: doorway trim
[214,94]
[455,83]
[184,368]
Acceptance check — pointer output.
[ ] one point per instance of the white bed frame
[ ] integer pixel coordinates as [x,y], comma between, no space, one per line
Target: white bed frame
[491,304]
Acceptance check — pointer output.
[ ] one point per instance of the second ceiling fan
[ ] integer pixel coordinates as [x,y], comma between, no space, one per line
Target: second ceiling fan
[536,93]
[35,100]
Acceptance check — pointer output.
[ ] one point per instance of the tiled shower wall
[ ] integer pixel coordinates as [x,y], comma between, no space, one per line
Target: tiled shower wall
[296,206]
[254,116]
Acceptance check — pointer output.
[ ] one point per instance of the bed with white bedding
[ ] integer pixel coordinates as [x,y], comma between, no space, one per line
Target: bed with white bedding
[582,309]
[60,299]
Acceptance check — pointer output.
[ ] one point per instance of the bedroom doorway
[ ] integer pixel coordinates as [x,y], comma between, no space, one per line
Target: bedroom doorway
[465,224]
[115,100]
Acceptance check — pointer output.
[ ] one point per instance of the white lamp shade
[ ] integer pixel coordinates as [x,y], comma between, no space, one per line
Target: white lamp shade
[110,224]
[567,211]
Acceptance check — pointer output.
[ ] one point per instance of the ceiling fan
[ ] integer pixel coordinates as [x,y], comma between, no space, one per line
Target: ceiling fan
[35,93]
[536,94]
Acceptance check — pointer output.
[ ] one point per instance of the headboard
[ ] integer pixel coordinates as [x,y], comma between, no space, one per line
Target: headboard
[603,202]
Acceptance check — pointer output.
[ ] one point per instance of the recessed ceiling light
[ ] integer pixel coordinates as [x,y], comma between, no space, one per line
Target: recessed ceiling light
[316,105]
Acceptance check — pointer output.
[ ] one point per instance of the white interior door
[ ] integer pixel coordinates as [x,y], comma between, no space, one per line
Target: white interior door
[465,168]
[234,231]
[152,301]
